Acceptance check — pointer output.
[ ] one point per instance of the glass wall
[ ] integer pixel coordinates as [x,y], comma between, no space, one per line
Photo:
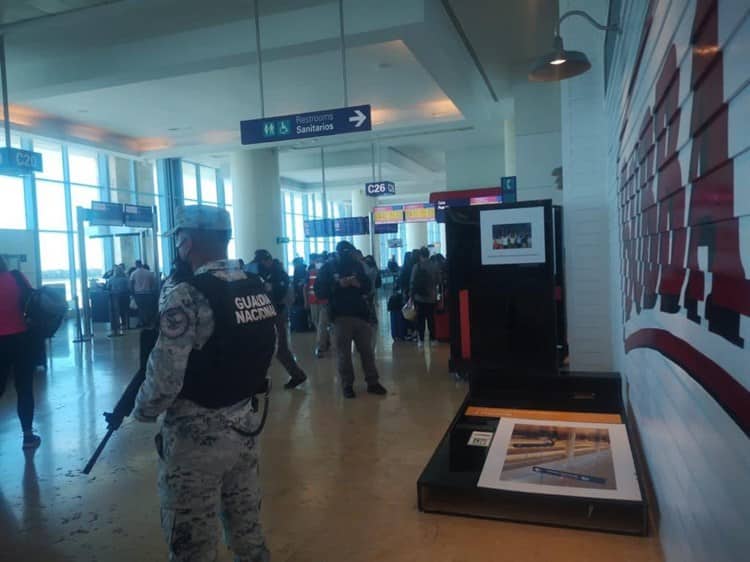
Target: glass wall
[47,204]
[296,208]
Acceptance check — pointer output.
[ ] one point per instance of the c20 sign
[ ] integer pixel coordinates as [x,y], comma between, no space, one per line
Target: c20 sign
[376,189]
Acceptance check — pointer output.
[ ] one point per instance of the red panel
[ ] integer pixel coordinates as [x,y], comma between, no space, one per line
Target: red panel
[465,194]
[465,323]
[705,38]
[710,147]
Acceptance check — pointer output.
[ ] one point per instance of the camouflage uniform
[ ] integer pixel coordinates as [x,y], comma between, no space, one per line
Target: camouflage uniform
[205,468]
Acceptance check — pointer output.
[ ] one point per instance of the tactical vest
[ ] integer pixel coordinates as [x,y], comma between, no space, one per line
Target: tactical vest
[233,363]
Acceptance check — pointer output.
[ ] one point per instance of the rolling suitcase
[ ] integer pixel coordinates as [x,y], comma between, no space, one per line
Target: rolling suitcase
[398,323]
[298,319]
[442,326]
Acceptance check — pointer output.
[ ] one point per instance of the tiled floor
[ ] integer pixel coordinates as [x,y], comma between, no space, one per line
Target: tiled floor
[339,475]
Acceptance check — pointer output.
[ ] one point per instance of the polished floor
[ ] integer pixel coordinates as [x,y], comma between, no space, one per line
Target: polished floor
[339,476]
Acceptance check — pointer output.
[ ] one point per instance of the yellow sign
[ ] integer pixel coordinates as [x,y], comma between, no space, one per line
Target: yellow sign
[388,215]
[419,213]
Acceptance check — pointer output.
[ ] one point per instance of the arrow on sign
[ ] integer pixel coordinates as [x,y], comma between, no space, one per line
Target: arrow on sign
[358,118]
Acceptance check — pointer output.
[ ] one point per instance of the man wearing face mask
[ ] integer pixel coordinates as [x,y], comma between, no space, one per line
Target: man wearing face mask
[346,286]
[216,342]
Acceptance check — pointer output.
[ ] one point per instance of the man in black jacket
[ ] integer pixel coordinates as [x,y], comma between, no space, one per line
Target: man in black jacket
[344,283]
[277,286]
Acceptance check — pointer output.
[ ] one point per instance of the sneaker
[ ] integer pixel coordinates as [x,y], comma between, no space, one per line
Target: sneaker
[319,353]
[420,344]
[31,441]
[376,388]
[349,392]
[295,382]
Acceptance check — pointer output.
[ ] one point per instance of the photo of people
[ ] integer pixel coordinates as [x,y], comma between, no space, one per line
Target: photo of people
[556,455]
[511,236]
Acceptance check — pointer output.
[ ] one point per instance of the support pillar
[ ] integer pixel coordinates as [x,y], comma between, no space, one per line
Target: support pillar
[362,207]
[256,192]
[416,235]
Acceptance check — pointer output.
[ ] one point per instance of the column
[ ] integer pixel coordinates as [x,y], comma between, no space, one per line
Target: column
[416,235]
[256,192]
[510,147]
[362,207]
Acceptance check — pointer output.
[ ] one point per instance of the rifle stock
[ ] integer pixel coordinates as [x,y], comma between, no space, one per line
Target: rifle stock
[126,403]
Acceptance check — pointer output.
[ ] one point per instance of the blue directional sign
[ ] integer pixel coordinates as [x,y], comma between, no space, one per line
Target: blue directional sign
[376,189]
[138,215]
[105,213]
[508,185]
[306,125]
[17,162]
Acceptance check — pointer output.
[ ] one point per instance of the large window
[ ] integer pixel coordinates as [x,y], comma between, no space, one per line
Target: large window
[299,206]
[12,203]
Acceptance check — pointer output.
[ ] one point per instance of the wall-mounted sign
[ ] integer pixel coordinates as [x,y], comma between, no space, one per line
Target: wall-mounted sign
[391,214]
[282,240]
[138,216]
[376,189]
[17,162]
[306,125]
[486,200]
[419,212]
[508,184]
[103,213]
[395,243]
[389,228]
[345,226]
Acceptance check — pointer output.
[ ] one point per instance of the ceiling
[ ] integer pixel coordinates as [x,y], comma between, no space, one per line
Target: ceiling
[174,77]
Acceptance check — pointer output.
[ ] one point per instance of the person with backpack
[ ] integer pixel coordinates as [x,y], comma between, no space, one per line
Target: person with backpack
[17,348]
[345,284]
[425,277]
[282,295]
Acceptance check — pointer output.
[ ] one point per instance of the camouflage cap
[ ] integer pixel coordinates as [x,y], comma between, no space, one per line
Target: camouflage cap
[200,217]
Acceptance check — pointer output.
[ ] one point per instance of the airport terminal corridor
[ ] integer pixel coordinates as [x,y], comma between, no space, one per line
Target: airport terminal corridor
[338,475]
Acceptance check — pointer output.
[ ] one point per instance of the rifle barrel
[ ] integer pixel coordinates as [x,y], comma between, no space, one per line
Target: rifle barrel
[99,449]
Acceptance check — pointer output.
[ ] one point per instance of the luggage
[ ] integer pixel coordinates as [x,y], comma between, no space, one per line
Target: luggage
[398,325]
[395,302]
[299,319]
[442,326]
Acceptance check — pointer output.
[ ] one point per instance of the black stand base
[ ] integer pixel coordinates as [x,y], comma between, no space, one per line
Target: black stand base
[448,484]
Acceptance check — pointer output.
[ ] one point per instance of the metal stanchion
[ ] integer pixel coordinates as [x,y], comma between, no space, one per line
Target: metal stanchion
[80,338]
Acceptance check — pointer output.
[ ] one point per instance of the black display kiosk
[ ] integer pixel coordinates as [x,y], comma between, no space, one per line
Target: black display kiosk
[504,335]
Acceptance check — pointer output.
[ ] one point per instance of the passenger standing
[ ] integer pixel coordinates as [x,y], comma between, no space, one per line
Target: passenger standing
[119,299]
[209,364]
[17,348]
[318,308]
[424,281]
[277,286]
[143,287]
[344,283]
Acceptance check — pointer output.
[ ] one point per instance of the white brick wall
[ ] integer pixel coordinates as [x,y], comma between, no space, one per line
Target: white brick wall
[697,456]
[586,215]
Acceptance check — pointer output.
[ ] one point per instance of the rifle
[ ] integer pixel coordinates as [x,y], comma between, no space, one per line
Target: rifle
[126,403]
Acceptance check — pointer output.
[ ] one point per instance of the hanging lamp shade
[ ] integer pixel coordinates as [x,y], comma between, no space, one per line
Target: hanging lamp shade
[559,64]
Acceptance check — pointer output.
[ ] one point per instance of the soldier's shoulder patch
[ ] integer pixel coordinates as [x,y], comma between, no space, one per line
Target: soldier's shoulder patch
[174,322]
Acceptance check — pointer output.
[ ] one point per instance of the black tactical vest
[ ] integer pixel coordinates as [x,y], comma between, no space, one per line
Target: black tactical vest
[233,363]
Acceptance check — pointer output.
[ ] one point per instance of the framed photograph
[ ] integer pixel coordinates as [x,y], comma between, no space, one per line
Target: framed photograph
[561,458]
[512,236]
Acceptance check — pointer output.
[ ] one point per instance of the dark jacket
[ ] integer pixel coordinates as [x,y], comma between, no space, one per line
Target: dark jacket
[344,301]
[278,279]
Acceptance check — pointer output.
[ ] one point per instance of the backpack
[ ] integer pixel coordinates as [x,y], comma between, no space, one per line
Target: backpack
[421,285]
[43,309]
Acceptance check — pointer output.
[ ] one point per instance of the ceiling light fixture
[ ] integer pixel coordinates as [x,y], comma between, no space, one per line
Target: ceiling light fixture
[560,64]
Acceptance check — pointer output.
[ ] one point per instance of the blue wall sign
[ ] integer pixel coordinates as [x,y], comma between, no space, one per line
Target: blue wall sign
[306,125]
[391,228]
[346,226]
[17,162]
[508,185]
[103,213]
[139,216]
[376,189]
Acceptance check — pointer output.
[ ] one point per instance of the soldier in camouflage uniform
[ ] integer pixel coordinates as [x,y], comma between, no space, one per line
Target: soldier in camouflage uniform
[216,341]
